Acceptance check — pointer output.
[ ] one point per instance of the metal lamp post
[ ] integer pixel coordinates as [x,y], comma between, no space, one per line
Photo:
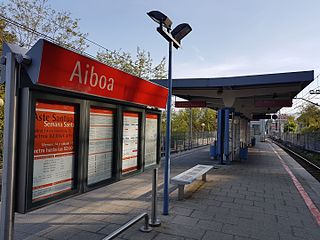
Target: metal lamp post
[203,125]
[173,37]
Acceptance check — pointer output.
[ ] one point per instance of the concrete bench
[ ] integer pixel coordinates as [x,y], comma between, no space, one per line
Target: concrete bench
[190,176]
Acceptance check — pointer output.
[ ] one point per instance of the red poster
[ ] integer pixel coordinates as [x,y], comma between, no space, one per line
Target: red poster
[53,150]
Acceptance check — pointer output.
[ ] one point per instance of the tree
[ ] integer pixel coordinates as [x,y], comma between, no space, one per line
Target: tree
[181,120]
[141,66]
[290,125]
[27,17]
[309,119]
[5,36]
[20,20]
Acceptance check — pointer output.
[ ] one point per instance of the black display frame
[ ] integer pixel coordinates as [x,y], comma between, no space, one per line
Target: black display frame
[28,95]
[115,148]
[51,98]
[158,154]
[141,129]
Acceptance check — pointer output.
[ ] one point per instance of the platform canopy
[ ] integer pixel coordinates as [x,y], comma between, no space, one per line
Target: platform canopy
[250,95]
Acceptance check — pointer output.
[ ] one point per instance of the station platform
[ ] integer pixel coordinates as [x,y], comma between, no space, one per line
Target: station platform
[252,199]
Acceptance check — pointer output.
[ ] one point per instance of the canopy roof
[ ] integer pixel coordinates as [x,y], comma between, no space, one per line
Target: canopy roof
[250,95]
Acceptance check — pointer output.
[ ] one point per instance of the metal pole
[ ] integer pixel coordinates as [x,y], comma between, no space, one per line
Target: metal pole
[154,221]
[168,138]
[233,135]
[144,228]
[190,143]
[9,150]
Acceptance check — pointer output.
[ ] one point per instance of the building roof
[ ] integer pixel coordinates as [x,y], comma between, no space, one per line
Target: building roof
[250,95]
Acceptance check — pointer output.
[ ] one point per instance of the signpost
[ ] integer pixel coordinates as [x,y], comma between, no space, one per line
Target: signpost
[9,149]
[82,125]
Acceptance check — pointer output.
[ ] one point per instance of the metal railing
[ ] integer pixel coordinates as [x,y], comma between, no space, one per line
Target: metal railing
[182,141]
[144,228]
[306,141]
[154,221]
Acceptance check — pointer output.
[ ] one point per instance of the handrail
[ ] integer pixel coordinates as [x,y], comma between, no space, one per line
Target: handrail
[144,228]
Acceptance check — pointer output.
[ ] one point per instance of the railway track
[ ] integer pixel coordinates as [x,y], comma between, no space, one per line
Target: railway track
[311,167]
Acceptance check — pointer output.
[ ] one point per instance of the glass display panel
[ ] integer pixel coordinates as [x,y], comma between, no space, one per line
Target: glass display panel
[130,142]
[54,154]
[151,139]
[100,145]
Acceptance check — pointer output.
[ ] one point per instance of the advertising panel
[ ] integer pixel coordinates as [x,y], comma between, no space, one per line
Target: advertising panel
[151,139]
[100,145]
[130,142]
[54,150]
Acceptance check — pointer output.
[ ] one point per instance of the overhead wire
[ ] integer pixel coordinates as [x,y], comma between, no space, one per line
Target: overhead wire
[297,103]
[45,36]
[26,28]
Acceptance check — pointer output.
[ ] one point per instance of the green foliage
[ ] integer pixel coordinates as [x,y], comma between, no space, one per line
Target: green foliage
[309,119]
[203,119]
[5,36]
[141,66]
[291,125]
[38,15]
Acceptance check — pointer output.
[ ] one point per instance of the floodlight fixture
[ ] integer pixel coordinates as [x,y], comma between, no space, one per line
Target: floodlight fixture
[160,18]
[168,36]
[180,31]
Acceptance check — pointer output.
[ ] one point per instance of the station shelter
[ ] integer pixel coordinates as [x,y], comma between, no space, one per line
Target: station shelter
[78,124]
[238,101]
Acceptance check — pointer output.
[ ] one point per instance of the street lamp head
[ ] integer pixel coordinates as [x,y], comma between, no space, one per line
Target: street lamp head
[180,31]
[160,18]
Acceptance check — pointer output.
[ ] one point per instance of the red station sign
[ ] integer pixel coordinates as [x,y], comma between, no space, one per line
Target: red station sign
[190,104]
[65,69]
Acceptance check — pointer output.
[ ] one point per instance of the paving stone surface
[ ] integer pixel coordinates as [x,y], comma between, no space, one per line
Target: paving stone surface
[253,199]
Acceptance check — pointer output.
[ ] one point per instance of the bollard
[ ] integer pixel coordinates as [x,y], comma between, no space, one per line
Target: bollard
[146,227]
[154,221]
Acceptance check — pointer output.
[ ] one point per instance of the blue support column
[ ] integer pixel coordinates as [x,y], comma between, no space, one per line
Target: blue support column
[220,136]
[226,136]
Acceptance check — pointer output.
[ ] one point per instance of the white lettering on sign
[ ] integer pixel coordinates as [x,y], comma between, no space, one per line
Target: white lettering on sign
[94,80]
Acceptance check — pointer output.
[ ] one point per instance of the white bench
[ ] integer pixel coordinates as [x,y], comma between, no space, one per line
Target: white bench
[189,176]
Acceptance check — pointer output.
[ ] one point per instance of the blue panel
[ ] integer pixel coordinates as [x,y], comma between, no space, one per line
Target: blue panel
[213,152]
[226,134]
[219,134]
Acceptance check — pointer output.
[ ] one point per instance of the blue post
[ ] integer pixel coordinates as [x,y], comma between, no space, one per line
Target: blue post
[168,138]
[226,134]
[219,136]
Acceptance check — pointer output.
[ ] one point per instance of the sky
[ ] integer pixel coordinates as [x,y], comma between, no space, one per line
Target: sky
[229,37]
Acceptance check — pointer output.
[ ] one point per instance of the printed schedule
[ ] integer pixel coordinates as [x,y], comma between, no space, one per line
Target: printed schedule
[151,139]
[130,142]
[100,145]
